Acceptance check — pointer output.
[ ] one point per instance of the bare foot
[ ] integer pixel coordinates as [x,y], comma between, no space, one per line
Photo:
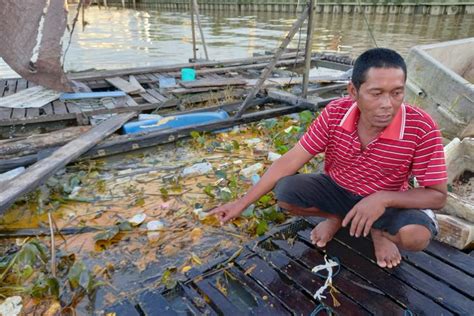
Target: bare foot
[324,231]
[386,252]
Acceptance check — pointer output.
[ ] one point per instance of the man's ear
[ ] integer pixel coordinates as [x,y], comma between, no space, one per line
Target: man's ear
[351,89]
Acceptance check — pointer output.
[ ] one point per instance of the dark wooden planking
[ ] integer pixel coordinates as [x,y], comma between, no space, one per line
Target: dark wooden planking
[153,303]
[311,282]
[291,297]
[122,308]
[193,297]
[59,107]
[267,304]
[395,288]
[41,171]
[32,112]
[217,299]
[72,108]
[432,265]
[452,256]
[349,283]
[424,283]
[5,114]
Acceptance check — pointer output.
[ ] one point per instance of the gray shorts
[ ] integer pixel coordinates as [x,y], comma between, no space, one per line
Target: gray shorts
[319,190]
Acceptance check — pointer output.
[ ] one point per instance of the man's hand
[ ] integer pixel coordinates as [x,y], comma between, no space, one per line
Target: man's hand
[364,214]
[228,211]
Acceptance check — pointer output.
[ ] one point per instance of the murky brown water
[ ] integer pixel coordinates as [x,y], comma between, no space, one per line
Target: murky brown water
[118,38]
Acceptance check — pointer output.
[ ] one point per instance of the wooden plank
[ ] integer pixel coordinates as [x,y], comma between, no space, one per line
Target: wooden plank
[417,302]
[122,308]
[431,287]
[194,298]
[59,107]
[124,85]
[135,82]
[130,101]
[149,98]
[455,231]
[213,83]
[11,87]
[156,95]
[218,300]
[452,256]
[291,297]
[18,114]
[32,112]
[349,283]
[172,68]
[34,97]
[153,303]
[72,107]
[266,303]
[91,95]
[48,109]
[41,171]
[21,85]
[3,86]
[5,114]
[311,282]
[431,265]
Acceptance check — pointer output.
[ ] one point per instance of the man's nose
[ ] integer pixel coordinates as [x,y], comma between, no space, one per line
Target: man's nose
[385,101]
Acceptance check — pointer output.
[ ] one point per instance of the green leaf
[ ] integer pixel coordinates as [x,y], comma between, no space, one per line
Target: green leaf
[194,134]
[85,280]
[208,190]
[235,144]
[167,279]
[107,234]
[306,117]
[220,174]
[75,273]
[164,194]
[225,194]
[124,226]
[262,227]
[26,272]
[264,200]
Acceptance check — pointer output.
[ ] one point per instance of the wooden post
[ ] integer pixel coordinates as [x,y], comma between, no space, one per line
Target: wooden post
[309,42]
[105,3]
[193,30]
[196,11]
[267,71]
[43,169]
[123,4]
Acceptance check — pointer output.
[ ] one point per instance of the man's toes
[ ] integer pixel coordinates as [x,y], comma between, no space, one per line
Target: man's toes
[381,263]
[321,243]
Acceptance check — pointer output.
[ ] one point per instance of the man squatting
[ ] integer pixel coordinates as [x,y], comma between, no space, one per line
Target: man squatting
[373,143]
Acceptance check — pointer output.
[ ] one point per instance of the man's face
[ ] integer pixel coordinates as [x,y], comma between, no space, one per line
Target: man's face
[380,96]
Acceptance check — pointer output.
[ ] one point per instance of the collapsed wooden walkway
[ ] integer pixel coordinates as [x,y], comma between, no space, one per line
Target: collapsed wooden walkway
[272,276]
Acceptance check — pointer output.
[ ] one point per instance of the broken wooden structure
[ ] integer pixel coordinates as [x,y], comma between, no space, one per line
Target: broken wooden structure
[272,276]
[216,82]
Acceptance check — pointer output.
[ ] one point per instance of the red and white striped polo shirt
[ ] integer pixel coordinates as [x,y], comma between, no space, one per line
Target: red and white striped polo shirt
[410,146]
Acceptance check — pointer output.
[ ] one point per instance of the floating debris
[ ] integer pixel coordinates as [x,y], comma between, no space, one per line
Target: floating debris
[273,156]
[11,306]
[197,169]
[251,170]
[137,219]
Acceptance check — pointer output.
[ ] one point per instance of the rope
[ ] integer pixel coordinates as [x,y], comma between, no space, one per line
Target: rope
[367,23]
[320,308]
[328,265]
[408,312]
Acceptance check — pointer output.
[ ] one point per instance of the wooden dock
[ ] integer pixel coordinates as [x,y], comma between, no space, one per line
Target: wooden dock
[272,276]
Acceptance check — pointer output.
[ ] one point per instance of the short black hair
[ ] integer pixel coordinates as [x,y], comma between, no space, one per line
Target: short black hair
[377,58]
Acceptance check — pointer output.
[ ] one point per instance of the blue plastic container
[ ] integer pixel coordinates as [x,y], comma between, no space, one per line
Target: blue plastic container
[183,120]
[188,74]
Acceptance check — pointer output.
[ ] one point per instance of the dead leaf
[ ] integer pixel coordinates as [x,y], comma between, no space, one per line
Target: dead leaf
[250,269]
[196,234]
[221,287]
[195,258]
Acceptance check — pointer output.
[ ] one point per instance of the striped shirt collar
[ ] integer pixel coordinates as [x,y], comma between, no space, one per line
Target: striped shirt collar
[394,130]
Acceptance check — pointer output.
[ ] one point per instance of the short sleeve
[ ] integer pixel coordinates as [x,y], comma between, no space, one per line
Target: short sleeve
[429,165]
[316,138]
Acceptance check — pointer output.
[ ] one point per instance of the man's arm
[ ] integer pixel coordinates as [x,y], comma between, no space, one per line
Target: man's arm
[370,208]
[287,165]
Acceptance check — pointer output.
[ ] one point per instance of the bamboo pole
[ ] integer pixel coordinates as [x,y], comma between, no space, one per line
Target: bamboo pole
[267,71]
[309,42]
[198,19]
[193,31]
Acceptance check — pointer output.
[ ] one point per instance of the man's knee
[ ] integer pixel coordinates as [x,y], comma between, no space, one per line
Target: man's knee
[284,186]
[414,237]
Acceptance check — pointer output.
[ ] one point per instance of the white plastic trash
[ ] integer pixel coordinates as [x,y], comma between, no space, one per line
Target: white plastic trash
[137,219]
[251,170]
[197,169]
[273,156]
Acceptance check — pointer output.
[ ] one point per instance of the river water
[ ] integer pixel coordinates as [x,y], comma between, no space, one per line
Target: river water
[122,38]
